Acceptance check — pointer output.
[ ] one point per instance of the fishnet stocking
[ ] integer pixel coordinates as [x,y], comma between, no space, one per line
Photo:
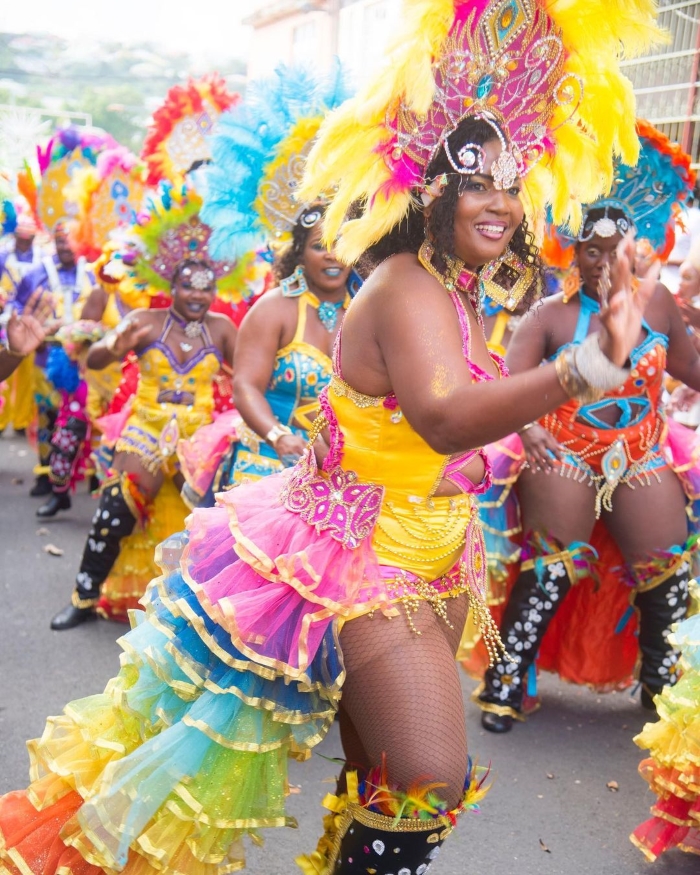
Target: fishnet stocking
[402,698]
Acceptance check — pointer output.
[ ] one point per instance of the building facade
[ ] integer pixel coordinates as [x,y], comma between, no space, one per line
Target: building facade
[314,32]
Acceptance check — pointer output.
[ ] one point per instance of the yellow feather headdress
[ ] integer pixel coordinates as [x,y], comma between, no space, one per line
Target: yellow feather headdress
[545,72]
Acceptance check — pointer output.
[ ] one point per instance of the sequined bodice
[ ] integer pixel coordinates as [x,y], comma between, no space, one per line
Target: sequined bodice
[160,372]
[301,372]
[639,396]
[380,445]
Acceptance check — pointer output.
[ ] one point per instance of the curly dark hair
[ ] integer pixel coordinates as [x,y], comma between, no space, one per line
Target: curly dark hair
[409,234]
[286,261]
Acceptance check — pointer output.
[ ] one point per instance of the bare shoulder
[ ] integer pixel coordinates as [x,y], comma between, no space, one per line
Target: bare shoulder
[398,286]
[273,305]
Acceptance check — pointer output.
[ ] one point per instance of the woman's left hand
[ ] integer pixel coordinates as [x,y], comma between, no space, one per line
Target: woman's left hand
[623,299]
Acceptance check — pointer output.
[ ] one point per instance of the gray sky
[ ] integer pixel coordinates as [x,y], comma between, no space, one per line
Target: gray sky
[194,25]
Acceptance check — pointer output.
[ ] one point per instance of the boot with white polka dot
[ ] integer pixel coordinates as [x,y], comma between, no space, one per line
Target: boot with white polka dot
[661,602]
[373,844]
[532,604]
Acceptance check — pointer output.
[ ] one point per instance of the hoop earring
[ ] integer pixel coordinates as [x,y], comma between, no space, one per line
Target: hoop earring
[571,284]
[294,285]
[507,279]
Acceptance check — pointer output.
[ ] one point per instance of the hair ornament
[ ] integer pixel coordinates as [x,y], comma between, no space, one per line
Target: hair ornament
[259,152]
[525,66]
[650,194]
[109,197]
[604,227]
[433,190]
[169,233]
[311,218]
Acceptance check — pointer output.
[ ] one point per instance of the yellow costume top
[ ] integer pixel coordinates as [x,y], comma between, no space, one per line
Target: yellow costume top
[173,399]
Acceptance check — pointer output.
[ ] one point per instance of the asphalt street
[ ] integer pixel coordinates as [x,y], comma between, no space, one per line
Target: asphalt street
[550,811]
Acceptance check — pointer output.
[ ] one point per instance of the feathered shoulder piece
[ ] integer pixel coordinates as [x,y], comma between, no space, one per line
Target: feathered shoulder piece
[250,191]
[546,72]
[69,150]
[109,197]
[177,135]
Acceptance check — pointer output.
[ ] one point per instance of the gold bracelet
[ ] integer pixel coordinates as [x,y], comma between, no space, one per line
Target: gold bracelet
[526,427]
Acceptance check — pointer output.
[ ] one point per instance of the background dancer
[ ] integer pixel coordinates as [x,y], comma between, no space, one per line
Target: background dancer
[611,458]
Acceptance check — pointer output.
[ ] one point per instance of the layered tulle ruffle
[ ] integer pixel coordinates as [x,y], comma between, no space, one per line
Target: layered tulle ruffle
[233,667]
[673,767]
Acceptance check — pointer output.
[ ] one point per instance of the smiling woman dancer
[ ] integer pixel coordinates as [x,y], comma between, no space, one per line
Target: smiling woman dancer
[284,346]
[180,352]
[280,598]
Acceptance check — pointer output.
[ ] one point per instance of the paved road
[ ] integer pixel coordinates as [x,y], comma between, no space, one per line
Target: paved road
[580,740]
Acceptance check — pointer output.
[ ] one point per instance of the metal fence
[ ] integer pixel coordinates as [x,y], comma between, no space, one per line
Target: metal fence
[666,82]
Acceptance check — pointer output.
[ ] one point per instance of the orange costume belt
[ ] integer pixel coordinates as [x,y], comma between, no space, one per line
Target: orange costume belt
[604,458]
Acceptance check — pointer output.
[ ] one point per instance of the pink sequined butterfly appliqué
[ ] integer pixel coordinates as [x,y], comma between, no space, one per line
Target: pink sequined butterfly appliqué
[337,503]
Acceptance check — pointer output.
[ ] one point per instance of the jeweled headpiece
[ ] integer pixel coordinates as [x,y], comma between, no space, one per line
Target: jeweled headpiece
[177,135]
[543,73]
[259,154]
[649,194]
[68,151]
[170,233]
[109,197]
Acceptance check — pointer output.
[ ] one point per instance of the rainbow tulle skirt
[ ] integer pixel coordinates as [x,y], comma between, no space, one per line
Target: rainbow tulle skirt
[232,667]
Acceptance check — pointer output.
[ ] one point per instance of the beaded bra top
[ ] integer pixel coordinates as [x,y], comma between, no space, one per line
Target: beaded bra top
[639,395]
[301,372]
[160,371]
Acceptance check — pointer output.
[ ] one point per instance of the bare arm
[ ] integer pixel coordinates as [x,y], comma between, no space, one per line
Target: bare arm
[411,321]
[133,333]
[683,360]
[94,307]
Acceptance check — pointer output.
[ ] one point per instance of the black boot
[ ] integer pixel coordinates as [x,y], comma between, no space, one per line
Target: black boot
[57,501]
[42,486]
[367,842]
[661,603]
[112,521]
[532,604]
[71,616]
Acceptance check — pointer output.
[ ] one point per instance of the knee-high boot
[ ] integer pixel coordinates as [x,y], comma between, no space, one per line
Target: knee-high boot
[358,840]
[66,447]
[543,582]
[661,600]
[115,518]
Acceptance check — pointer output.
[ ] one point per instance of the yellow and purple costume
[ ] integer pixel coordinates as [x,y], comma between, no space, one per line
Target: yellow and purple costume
[155,424]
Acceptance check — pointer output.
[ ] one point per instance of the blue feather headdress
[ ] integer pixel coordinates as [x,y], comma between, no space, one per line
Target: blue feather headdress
[649,194]
[258,156]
